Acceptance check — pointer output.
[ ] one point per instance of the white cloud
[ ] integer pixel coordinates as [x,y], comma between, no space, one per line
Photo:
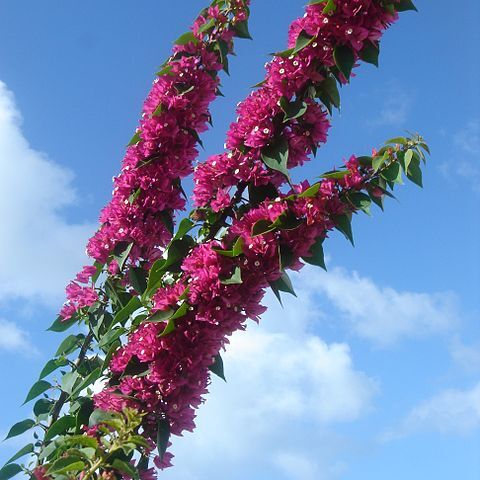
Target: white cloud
[466,356]
[13,339]
[454,412]
[383,314]
[285,389]
[39,249]
[468,139]
[395,108]
[465,167]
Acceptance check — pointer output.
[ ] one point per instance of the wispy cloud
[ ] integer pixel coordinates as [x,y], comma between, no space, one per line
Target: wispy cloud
[14,339]
[394,109]
[464,165]
[381,313]
[451,412]
[466,356]
[39,248]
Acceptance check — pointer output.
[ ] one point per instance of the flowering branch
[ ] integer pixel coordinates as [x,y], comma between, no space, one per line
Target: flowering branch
[160,305]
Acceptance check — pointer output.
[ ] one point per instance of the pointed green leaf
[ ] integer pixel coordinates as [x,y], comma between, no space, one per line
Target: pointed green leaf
[70,344]
[51,366]
[217,367]
[60,325]
[370,53]
[276,156]
[9,471]
[317,256]
[42,406]
[127,468]
[132,306]
[344,59]
[241,30]
[60,427]
[361,201]
[163,436]
[37,389]
[65,465]
[23,451]
[404,5]
[343,224]
[187,37]
[20,427]
[235,279]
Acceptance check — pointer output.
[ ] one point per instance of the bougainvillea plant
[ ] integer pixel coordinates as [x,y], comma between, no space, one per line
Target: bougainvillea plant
[159,303]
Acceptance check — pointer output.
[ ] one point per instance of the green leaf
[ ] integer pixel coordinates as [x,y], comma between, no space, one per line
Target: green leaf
[111,336]
[217,367]
[80,440]
[83,414]
[404,5]
[284,284]
[122,255]
[132,306]
[65,465]
[69,380]
[88,380]
[163,436]
[235,251]
[361,201]
[310,191]
[134,140]
[317,256]
[397,140]
[187,37]
[293,110]
[207,26]
[275,156]
[336,174]
[370,53]
[260,193]
[70,344]
[415,174]
[166,70]
[330,88]
[9,471]
[51,366]
[330,7]
[344,225]
[393,173]
[37,389]
[286,221]
[344,59]
[99,416]
[185,226]
[378,161]
[20,427]
[60,325]
[138,278]
[181,312]
[261,227]
[303,40]
[235,279]
[407,159]
[23,451]
[42,406]
[60,427]
[241,30]
[124,467]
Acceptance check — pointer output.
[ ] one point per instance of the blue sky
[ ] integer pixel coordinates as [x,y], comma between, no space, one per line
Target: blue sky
[374,371]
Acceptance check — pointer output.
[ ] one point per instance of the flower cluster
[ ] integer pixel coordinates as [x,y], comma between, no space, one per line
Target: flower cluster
[283,107]
[147,191]
[221,292]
